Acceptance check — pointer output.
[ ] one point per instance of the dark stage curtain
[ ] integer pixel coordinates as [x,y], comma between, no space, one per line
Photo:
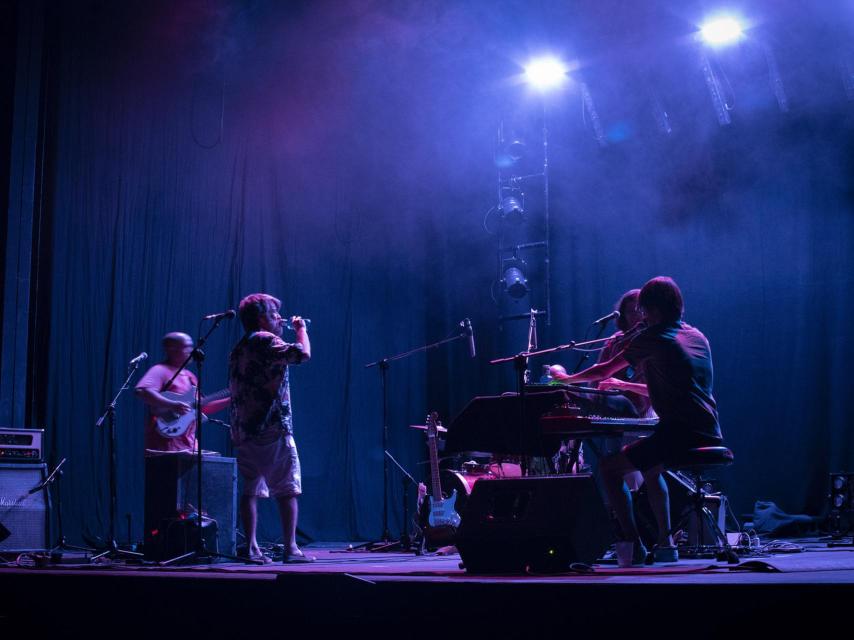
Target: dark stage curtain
[161,215]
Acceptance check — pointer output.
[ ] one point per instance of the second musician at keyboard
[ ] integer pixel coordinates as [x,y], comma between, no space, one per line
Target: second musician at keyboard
[676,360]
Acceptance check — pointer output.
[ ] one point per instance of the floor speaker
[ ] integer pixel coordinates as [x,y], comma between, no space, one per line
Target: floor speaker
[535,523]
[23,515]
[171,493]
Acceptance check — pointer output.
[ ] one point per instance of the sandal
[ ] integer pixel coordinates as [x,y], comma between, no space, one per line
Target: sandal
[297,558]
[260,558]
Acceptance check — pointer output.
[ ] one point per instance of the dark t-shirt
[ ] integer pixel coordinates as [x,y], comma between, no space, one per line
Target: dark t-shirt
[677,363]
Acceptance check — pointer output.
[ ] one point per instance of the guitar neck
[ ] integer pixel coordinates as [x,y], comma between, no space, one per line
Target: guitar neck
[213,397]
[435,483]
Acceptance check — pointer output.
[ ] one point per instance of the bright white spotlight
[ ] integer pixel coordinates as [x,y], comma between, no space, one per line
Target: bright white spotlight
[545,73]
[721,31]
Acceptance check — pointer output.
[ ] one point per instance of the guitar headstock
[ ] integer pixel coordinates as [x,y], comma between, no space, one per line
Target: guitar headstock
[432,424]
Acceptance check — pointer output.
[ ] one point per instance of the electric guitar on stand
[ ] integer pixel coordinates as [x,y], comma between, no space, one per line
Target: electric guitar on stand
[438,517]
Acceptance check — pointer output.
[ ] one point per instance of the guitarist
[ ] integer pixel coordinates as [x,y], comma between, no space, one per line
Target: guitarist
[176,347]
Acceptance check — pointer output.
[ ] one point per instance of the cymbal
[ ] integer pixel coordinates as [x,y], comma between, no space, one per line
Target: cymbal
[423,427]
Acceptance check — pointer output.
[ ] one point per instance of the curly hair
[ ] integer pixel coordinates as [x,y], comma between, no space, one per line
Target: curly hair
[253,306]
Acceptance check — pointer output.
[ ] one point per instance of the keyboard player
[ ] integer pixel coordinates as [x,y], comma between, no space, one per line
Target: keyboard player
[676,361]
[634,401]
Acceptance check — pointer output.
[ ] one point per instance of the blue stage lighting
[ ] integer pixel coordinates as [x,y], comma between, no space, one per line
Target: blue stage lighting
[721,31]
[545,73]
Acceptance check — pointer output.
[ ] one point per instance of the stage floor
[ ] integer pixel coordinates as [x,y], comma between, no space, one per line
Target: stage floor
[393,590]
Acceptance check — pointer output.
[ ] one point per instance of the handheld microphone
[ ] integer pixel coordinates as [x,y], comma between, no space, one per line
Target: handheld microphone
[606,319]
[135,361]
[290,327]
[470,333]
[225,315]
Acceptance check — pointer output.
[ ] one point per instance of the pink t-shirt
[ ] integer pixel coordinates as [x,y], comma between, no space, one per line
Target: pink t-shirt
[156,379]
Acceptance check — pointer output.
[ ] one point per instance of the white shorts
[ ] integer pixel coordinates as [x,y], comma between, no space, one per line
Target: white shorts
[270,469]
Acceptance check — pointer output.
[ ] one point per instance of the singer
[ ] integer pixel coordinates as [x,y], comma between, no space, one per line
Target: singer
[677,362]
[261,419]
[177,347]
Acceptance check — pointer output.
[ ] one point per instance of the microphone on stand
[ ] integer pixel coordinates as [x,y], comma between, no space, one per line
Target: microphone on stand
[606,319]
[225,315]
[135,361]
[470,333]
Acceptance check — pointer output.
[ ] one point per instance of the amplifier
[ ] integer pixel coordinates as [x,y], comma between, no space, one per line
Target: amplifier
[542,523]
[21,445]
[23,515]
[171,495]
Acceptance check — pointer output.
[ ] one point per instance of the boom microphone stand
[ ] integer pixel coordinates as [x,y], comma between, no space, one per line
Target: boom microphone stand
[112,551]
[55,480]
[201,553]
[383,366]
[520,364]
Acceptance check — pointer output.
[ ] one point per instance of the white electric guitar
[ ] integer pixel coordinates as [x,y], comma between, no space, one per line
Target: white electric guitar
[171,424]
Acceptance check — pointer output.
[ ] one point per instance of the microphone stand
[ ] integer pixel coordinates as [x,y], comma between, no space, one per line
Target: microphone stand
[383,366]
[112,550]
[54,479]
[520,364]
[201,553]
[586,356]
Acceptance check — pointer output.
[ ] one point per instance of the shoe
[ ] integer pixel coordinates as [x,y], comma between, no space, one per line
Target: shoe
[610,556]
[665,554]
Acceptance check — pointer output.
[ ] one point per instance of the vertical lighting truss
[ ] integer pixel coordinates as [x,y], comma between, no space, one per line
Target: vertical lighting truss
[542,75]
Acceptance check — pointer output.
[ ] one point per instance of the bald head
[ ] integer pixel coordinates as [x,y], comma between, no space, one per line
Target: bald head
[176,347]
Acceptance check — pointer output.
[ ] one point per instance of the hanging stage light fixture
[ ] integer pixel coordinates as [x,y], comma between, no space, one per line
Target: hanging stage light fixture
[514,281]
[512,208]
[510,147]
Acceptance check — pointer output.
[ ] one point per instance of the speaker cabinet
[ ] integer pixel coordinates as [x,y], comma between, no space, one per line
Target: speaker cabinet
[171,490]
[541,524]
[23,515]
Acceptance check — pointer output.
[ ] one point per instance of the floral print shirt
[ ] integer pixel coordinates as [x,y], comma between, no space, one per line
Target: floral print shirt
[258,381]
